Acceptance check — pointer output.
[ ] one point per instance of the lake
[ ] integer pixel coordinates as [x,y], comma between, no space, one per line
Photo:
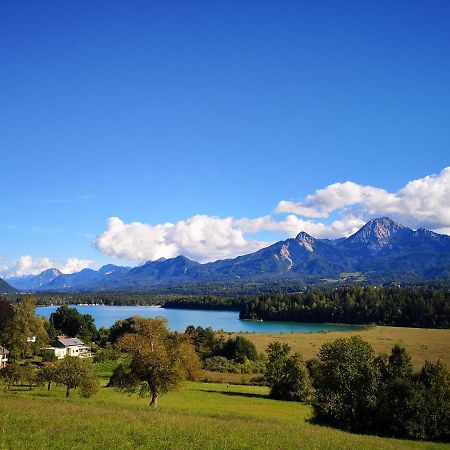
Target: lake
[179,319]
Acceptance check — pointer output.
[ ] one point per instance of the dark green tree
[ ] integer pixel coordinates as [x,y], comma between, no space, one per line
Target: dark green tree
[396,394]
[277,354]
[240,349]
[294,383]
[346,395]
[71,323]
[433,403]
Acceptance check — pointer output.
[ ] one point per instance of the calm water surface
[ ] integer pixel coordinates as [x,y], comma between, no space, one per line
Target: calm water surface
[179,319]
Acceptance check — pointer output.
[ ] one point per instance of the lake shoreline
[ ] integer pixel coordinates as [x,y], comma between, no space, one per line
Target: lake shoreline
[179,318]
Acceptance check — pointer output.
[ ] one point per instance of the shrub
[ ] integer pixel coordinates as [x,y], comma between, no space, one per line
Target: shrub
[47,355]
[239,349]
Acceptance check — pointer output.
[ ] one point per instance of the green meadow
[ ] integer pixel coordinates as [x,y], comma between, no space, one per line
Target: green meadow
[198,415]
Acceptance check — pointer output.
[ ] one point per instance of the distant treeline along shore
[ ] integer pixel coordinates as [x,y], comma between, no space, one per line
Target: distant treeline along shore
[395,306]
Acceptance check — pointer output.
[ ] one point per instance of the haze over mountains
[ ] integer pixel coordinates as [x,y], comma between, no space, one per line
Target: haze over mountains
[381,248]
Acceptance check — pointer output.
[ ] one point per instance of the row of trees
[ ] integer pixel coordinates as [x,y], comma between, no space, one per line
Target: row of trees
[71,372]
[352,388]
[413,307]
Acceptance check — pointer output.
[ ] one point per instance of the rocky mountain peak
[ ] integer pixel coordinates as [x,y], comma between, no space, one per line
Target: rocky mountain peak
[306,240]
[377,233]
[51,272]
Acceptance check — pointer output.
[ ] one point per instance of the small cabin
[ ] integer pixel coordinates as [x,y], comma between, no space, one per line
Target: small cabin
[3,356]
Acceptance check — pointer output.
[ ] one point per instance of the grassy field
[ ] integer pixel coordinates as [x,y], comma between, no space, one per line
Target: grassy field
[200,416]
[421,343]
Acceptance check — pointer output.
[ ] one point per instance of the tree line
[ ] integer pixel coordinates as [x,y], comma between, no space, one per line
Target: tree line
[394,306]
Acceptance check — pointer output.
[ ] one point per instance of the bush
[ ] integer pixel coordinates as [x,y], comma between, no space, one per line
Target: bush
[47,355]
[89,387]
[220,364]
[239,349]
[107,354]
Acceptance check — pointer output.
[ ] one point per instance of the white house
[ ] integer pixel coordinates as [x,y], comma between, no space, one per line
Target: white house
[3,356]
[70,347]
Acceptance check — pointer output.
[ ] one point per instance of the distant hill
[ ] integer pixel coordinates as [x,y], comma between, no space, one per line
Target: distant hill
[381,249]
[6,288]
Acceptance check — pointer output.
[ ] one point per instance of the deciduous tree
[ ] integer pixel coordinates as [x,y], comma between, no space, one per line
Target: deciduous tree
[158,360]
[73,372]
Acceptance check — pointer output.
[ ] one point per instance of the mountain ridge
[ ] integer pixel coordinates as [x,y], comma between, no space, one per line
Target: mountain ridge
[381,247]
[6,288]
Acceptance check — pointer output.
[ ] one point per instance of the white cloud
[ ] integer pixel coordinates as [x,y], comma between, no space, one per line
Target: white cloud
[200,237]
[420,203]
[26,265]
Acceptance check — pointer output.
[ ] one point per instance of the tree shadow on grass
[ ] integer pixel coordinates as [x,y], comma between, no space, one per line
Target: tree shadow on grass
[236,394]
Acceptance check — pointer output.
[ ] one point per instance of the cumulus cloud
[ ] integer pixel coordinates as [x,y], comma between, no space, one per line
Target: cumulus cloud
[420,203]
[200,237]
[26,265]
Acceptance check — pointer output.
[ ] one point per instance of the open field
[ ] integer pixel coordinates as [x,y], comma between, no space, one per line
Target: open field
[421,343]
[201,416]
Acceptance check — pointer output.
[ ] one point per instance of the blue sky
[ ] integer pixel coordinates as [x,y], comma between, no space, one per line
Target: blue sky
[157,112]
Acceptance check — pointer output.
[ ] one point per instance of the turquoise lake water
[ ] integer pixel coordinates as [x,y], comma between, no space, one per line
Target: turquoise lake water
[179,319]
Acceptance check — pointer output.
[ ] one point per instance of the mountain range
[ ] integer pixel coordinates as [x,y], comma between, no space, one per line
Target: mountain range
[381,249]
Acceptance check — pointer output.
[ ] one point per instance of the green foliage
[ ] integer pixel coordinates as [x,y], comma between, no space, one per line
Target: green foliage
[382,395]
[47,355]
[10,375]
[108,353]
[6,316]
[158,360]
[346,396]
[294,384]
[89,387]
[206,302]
[224,365]
[432,404]
[122,327]
[209,344]
[29,374]
[19,324]
[277,354]
[240,349]
[206,341]
[412,307]
[314,370]
[14,373]
[286,375]
[71,323]
[73,372]
[48,373]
